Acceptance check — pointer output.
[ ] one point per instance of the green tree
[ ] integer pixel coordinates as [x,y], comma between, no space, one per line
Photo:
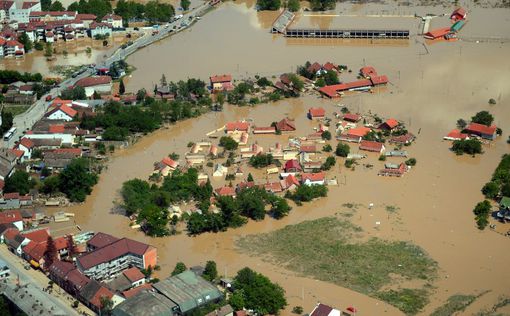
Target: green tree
[19,182]
[326,135]
[45,5]
[115,133]
[330,78]
[185,4]
[76,93]
[27,43]
[271,5]
[57,6]
[261,161]
[461,124]
[122,88]
[39,45]
[140,95]
[50,185]
[210,271]
[411,162]
[279,207]
[251,203]
[342,150]
[51,254]
[490,190]
[470,146]
[327,148]
[48,50]
[322,5]
[154,220]
[329,163]
[483,117]
[179,268]
[320,82]
[306,193]
[297,83]
[228,143]
[293,5]
[76,180]
[106,305]
[7,121]
[482,211]
[249,178]
[236,300]
[260,294]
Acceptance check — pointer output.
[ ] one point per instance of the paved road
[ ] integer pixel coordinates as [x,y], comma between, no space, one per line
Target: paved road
[27,119]
[38,279]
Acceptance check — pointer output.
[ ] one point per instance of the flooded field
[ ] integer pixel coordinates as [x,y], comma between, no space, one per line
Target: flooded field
[35,61]
[430,88]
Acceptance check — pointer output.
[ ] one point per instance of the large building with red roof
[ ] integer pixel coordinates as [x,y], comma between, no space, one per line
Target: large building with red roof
[99,84]
[221,83]
[484,131]
[110,259]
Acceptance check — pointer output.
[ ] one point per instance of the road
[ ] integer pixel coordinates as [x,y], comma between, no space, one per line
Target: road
[26,120]
[39,280]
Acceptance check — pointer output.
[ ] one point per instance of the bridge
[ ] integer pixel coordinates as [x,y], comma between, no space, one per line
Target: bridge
[347,33]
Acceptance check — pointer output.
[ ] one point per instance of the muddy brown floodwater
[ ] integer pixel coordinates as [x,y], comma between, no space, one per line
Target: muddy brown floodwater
[429,91]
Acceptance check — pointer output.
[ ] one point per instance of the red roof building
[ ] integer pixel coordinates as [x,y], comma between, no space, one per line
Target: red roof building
[355,134]
[316,113]
[27,143]
[438,33]
[458,14]
[286,125]
[371,146]
[313,178]
[389,124]
[100,240]
[273,187]
[314,68]
[394,172]
[484,131]
[167,161]
[351,117]
[330,66]
[133,274]
[333,91]
[290,182]
[455,134]
[308,149]
[132,292]
[56,129]
[221,83]
[264,130]
[237,127]
[225,191]
[292,166]
[368,72]
[94,81]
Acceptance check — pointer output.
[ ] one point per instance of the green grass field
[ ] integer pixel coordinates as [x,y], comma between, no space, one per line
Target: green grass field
[16,110]
[332,250]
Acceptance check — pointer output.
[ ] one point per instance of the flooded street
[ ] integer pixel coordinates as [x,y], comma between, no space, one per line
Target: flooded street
[430,89]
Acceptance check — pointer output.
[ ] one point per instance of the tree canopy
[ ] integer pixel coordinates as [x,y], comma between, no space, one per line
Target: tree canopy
[259,293]
[180,267]
[271,5]
[483,117]
[228,143]
[19,182]
[342,150]
[76,180]
[467,146]
[100,8]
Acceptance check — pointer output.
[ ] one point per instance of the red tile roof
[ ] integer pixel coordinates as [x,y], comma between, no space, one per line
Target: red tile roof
[170,162]
[274,187]
[368,71]
[117,249]
[289,181]
[245,185]
[13,43]
[371,146]
[27,143]
[40,235]
[56,129]
[317,112]
[19,153]
[28,5]
[225,191]
[313,68]
[102,292]
[476,128]
[456,134]
[77,279]
[101,239]
[60,268]
[437,33]
[94,81]
[11,233]
[237,126]
[51,13]
[358,131]
[111,17]
[84,16]
[313,177]
[221,78]
[133,274]
[292,164]
[321,310]
[329,66]
[136,290]
[351,117]
[308,148]
[11,196]
[391,123]
[7,217]
[286,125]
[331,91]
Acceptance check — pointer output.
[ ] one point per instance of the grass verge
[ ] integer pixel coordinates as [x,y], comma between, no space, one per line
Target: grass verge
[16,110]
[455,303]
[331,250]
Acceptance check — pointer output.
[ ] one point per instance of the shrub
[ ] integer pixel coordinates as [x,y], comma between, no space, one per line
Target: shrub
[411,162]
[482,211]
[349,163]
[469,146]
[342,150]
[297,310]
[326,135]
[327,148]
[382,158]
[228,143]
[492,101]
[490,190]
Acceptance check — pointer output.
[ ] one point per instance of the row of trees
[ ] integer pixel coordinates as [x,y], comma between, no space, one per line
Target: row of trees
[153,11]
[293,5]
[306,193]
[75,181]
[100,8]
[10,76]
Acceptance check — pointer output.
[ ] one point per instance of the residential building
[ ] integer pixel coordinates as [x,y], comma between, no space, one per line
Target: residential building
[114,20]
[22,12]
[238,126]
[49,16]
[225,191]
[100,29]
[351,117]
[6,9]
[484,131]
[8,160]
[86,19]
[316,113]
[292,166]
[286,125]
[325,310]
[389,124]
[221,83]
[458,14]
[355,135]
[62,112]
[146,303]
[107,261]
[166,166]
[372,146]
[13,48]
[92,294]
[403,139]
[188,291]
[99,84]
[12,217]
[317,178]
[264,130]
[393,170]
[60,158]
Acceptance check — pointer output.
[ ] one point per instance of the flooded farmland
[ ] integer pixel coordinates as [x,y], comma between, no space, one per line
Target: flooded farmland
[430,88]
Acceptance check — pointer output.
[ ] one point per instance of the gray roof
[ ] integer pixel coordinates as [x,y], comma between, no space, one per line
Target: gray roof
[89,290]
[188,290]
[147,304]
[119,284]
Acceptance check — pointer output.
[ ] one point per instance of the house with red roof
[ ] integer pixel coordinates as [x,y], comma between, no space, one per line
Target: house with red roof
[225,191]
[166,166]
[325,310]
[273,187]
[355,135]
[312,166]
[456,134]
[105,262]
[330,66]
[292,166]
[403,139]
[458,14]
[389,124]
[437,33]
[93,293]
[316,113]
[27,146]
[316,178]
[12,217]
[13,48]
[134,276]
[368,72]
[100,29]
[309,149]
[61,112]
[484,131]
[99,84]
[264,130]
[114,20]
[336,90]
[290,182]
[221,83]
[351,117]
[372,146]
[238,126]
[286,125]
[391,170]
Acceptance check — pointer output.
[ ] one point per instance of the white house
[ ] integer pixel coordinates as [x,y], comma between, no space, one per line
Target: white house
[114,20]
[6,9]
[99,84]
[62,112]
[64,137]
[27,146]
[13,48]
[313,178]
[21,13]
[101,29]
